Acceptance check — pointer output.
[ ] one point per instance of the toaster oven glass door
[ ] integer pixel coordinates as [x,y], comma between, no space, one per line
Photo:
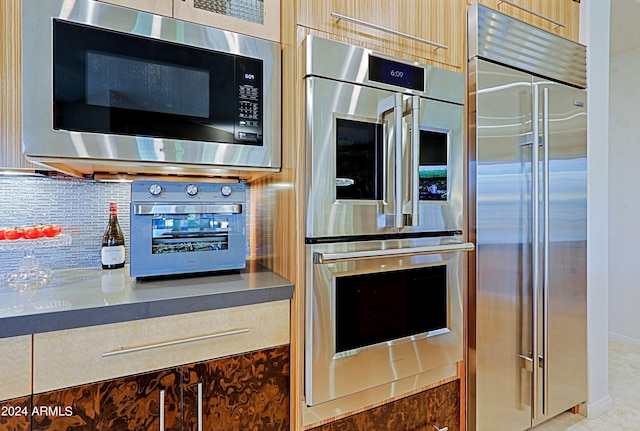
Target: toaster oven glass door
[186,233]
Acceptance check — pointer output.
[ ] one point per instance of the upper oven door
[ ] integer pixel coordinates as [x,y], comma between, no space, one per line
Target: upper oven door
[376,316]
[381,162]
[433,169]
[350,159]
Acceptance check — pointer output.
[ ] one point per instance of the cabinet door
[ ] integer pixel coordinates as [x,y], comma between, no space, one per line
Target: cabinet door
[160,7]
[145,401]
[242,392]
[439,21]
[15,414]
[259,18]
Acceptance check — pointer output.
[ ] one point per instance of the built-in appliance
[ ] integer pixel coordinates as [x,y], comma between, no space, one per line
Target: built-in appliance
[183,228]
[385,147]
[382,311]
[528,218]
[111,89]
[385,250]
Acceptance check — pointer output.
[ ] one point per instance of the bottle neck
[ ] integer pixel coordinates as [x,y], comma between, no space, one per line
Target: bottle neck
[113,209]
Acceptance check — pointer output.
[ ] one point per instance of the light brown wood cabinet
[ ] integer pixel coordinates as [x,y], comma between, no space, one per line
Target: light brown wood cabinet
[439,21]
[561,17]
[209,12]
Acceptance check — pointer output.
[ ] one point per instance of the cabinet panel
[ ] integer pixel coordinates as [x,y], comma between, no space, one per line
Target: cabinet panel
[234,15]
[15,363]
[15,415]
[439,21]
[129,403]
[243,392]
[159,7]
[437,407]
[76,356]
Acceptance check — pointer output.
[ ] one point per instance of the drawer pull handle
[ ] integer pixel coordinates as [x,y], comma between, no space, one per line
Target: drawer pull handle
[388,30]
[162,410]
[199,406]
[532,12]
[440,429]
[124,350]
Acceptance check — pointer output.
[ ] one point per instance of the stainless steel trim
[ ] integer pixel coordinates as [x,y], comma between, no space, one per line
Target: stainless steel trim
[161,407]
[372,254]
[535,249]
[126,350]
[149,209]
[414,192]
[545,251]
[343,62]
[387,30]
[199,406]
[532,12]
[398,171]
[501,38]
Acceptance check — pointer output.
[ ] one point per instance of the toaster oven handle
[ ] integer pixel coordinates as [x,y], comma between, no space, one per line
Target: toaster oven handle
[150,209]
[373,254]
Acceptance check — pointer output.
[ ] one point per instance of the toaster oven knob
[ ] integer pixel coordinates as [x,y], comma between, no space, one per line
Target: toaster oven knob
[225,191]
[155,189]
[191,190]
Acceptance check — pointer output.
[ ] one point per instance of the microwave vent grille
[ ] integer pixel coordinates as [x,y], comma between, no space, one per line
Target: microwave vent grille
[248,10]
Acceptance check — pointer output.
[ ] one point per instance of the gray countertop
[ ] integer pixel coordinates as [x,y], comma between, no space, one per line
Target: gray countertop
[90,296]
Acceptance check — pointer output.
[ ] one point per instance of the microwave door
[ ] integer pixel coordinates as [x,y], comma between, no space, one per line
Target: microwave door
[433,157]
[350,160]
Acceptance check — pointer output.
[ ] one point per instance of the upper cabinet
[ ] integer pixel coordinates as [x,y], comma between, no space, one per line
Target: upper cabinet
[431,30]
[561,17]
[258,18]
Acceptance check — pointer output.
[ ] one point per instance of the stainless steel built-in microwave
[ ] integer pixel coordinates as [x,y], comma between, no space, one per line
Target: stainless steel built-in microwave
[112,89]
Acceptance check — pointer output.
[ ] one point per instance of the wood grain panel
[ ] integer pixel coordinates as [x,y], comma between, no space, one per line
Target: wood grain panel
[11,86]
[16,414]
[440,21]
[129,403]
[420,412]
[243,392]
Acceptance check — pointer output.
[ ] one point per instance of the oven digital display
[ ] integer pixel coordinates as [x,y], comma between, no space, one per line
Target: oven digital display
[184,233]
[395,73]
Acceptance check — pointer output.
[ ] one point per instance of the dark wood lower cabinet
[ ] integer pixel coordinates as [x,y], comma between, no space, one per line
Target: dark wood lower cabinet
[439,406]
[15,414]
[249,391]
[123,404]
[244,392]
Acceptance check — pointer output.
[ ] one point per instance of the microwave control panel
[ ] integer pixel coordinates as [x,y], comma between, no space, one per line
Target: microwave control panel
[248,127]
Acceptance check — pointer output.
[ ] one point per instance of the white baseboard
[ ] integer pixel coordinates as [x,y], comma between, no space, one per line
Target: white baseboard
[595,409]
[624,339]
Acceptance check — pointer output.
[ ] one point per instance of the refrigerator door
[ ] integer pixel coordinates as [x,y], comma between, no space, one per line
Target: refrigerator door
[501,331]
[563,241]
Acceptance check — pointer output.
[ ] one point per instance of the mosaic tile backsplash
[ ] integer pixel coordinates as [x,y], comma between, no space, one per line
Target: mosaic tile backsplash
[81,207]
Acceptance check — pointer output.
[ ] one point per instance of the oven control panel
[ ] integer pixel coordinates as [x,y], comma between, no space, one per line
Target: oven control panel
[181,192]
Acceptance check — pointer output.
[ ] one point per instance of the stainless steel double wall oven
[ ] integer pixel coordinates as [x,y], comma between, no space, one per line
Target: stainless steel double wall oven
[384,223]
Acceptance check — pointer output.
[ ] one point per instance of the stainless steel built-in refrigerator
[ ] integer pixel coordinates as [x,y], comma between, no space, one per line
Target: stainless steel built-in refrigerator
[528,217]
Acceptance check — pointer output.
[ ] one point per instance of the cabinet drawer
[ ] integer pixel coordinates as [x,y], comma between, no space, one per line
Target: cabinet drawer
[84,355]
[15,363]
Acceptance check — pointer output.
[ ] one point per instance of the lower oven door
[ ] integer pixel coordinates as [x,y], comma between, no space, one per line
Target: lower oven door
[378,312]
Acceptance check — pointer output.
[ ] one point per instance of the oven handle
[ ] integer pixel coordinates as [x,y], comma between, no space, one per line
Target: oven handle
[150,209]
[372,254]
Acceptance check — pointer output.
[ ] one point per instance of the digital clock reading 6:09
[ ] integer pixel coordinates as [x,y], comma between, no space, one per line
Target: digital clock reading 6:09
[394,73]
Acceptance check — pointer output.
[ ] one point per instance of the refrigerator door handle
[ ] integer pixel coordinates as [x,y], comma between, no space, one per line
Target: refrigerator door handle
[414,187]
[535,250]
[545,259]
[398,174]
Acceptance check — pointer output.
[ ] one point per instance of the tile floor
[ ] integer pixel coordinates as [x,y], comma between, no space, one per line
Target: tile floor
[624,387]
